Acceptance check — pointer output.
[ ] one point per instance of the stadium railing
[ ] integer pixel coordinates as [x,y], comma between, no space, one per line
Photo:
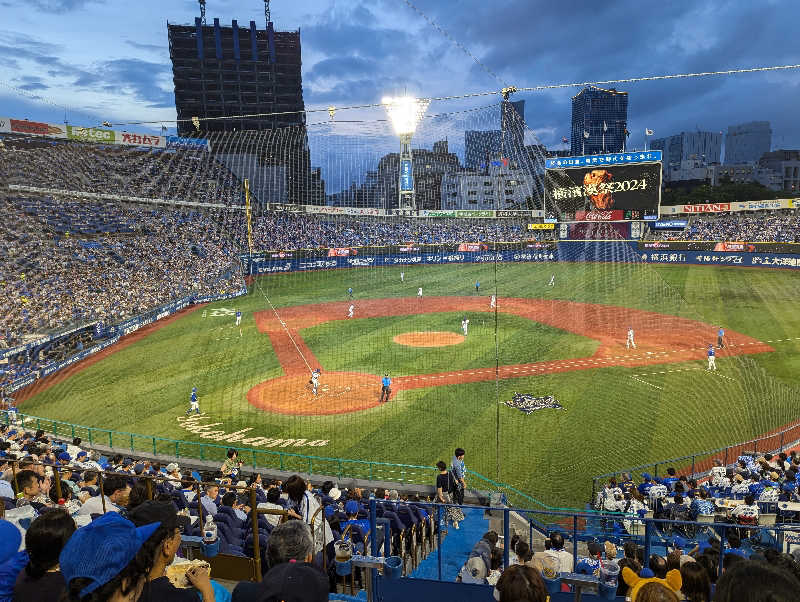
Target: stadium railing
[340,468]
[699,464]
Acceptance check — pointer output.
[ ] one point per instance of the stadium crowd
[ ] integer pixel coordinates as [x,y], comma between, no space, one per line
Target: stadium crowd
[75,521]
[143,258]
[774,226]
[177,175]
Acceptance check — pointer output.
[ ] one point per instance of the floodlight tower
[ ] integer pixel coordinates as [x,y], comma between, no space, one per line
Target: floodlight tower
[405,113]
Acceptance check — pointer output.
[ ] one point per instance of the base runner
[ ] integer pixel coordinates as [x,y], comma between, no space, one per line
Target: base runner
[630,343]
[314,381]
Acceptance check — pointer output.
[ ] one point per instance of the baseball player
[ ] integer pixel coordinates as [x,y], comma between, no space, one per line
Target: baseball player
[552,280]
[465,325]
[194,405]
[350,311]
[238,317]
[477,286]
[493,302]
[720,337]
[386,390]
[712,362]
[630,343]
[402,276]
[350,292]
[419,292]
[314,381]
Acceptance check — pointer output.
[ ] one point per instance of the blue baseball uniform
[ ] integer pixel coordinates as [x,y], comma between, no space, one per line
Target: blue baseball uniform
[238,318]
[712,361]
[350,292]
[194,406]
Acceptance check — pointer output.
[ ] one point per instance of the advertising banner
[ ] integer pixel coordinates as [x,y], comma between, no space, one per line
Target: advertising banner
[35,128]
[131,139]
[290,207]
[707,208]
[735,246]
[783,248]
[5,125]
[548,226]
[406,176]
[604,159]
[730,259]
[342,210]
[473,247]
[187,143]
[91,134]
[436,213]
[512,213]
[342,252]
[599,216]
[474,213]
[674,224]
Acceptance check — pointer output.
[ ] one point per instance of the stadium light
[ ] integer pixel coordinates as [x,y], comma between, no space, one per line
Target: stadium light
[405,113]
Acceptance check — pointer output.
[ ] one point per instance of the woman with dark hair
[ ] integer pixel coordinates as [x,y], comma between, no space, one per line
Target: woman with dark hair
[520,583]
[305,506]
[755,581]
[696,584]
[45,538]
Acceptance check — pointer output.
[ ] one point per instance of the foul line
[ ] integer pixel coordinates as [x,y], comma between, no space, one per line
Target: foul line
[647,383]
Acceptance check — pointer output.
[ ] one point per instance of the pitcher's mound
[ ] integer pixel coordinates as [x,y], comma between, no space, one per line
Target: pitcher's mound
[428,339]
[338,393]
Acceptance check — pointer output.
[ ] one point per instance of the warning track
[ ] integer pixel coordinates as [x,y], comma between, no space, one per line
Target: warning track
[660,339]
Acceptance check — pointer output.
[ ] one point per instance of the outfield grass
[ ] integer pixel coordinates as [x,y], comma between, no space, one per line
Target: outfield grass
[610,420]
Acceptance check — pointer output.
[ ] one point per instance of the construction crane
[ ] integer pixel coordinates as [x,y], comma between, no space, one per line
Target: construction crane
[202,11]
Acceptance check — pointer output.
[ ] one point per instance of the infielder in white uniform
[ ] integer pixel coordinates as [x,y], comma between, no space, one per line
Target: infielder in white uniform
[350,311]
[493,302]
[552,280]
[314,381]
[630,343]
[419,292]
[465,325]
[402,276]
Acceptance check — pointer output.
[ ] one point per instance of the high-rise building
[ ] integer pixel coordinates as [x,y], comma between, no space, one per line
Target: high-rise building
[602,115]
[787,164]
[747,142]
[702,147]
[482,146]
[223,72]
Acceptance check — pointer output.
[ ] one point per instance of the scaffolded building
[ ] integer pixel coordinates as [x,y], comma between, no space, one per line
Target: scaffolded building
[242,88]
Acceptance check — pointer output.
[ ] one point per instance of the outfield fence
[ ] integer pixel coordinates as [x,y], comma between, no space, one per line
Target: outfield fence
[699,464]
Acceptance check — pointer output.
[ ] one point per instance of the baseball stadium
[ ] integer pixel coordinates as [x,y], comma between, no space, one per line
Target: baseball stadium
[288,291]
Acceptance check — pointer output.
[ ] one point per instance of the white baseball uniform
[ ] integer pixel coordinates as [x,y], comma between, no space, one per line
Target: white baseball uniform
[465,326]
[402,276]
[350,311]
[552,280]
[493,302]
[419,292]
[630,343]
[314,382]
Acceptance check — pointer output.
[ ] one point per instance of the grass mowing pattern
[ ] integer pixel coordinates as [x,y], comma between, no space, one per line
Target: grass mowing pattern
[610,420]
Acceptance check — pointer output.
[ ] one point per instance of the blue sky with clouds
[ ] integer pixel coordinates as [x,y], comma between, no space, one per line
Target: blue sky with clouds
[109,59]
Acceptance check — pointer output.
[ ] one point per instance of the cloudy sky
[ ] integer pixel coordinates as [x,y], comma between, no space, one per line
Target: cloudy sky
[97,60]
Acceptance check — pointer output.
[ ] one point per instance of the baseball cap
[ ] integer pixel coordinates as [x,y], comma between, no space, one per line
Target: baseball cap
[82,453]
[138,468]
[351,507]
[64,456]
[646,476]
[289,582]
[335,493]
[172,467]
[10,538]
[474,571]
[102,549]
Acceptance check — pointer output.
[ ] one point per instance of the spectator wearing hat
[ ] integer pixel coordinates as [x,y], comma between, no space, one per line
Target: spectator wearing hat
[351,509]
[12,561]
[163,544]
[104,559]
[41,579]
[291,576]
[115,495]
[174,475]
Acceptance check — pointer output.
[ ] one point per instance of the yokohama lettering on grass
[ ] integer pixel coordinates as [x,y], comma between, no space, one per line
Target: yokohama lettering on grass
[193,424]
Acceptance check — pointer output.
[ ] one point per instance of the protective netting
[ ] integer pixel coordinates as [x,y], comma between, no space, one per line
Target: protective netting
[460,304]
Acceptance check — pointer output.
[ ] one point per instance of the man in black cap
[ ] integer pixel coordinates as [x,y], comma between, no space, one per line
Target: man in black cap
[163,544]
[291,577]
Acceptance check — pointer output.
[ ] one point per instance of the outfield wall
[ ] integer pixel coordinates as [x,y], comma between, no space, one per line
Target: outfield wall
[625,251]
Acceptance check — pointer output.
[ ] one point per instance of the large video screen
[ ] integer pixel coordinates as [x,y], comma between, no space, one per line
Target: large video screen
[630,191]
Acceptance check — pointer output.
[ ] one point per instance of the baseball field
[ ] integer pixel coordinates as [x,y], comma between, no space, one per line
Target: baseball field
[621,407]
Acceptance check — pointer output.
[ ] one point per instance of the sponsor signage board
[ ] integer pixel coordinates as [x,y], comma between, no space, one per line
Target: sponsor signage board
[406,176]
[187,143]
[707,208]
[474,213]
[547,226]
[35,128]
[670,224]
[512,213]
[91,134]
[604,159]
[600,216]
[133,139]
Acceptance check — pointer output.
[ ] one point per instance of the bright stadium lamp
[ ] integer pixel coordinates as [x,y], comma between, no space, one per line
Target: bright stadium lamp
[405,113]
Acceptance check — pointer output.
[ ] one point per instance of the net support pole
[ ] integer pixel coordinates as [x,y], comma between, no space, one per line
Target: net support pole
[249,215]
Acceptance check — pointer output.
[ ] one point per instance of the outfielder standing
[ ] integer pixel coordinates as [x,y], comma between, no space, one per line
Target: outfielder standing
[402,276]
[419,292]
[238,317]
[552,280]
[493,302]
[629,343]
[712,362]
[386,390]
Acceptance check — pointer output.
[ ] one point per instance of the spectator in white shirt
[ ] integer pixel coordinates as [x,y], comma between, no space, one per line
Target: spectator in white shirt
[115,495]
[273,495]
